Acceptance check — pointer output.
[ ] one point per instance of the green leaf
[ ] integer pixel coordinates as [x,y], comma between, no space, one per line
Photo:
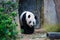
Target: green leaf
[2,9]
[9,33]
[4,38]
[13,4]
[8,2]
[2,26]
[14,14]
[22,30]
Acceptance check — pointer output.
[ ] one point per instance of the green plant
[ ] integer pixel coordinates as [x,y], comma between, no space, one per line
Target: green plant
[8,25]
[51,27]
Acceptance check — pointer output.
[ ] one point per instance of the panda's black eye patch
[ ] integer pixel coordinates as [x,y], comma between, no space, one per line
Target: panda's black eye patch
[29,22]
[33,22]
[28,16]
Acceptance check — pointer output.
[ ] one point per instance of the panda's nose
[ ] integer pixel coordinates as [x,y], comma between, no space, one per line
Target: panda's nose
[31,25]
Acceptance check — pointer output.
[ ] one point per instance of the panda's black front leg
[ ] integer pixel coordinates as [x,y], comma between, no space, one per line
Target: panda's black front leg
[27,30]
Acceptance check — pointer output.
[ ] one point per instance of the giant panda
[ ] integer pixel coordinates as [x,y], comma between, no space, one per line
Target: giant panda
[28,21]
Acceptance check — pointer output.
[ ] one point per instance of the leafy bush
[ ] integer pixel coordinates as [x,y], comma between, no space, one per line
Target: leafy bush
[8,25]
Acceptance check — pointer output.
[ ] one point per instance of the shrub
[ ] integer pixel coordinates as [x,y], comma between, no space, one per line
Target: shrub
[8,25]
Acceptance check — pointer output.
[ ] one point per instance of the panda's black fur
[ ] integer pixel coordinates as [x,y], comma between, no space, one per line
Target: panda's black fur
[25,27]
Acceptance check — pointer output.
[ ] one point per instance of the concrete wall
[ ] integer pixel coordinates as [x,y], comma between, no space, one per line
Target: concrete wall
[57,3]
[50,12]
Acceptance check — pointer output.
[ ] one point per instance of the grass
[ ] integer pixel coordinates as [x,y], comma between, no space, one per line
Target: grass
[51,27]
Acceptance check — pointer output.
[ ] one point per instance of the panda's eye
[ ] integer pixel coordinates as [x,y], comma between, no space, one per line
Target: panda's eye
[33,22]
[28,16]
[29,22]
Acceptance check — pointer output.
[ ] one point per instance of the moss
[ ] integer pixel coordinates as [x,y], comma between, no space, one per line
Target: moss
[51,27]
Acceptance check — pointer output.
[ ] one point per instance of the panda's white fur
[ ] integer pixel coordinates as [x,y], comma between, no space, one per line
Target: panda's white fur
[32,18]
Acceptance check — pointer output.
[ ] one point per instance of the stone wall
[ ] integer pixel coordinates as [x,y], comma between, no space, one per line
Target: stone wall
[50,12]
[57,2]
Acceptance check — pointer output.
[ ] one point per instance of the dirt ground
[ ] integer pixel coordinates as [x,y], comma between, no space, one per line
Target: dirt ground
[36,36]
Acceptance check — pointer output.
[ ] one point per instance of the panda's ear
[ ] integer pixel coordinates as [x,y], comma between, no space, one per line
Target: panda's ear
[35,17]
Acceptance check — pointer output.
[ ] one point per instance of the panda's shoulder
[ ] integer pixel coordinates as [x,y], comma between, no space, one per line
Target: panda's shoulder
[22,14]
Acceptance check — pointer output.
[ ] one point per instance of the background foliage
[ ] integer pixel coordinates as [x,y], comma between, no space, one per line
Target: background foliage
[8,25]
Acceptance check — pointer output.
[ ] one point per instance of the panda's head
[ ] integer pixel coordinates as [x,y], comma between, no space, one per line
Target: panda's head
[28,18]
